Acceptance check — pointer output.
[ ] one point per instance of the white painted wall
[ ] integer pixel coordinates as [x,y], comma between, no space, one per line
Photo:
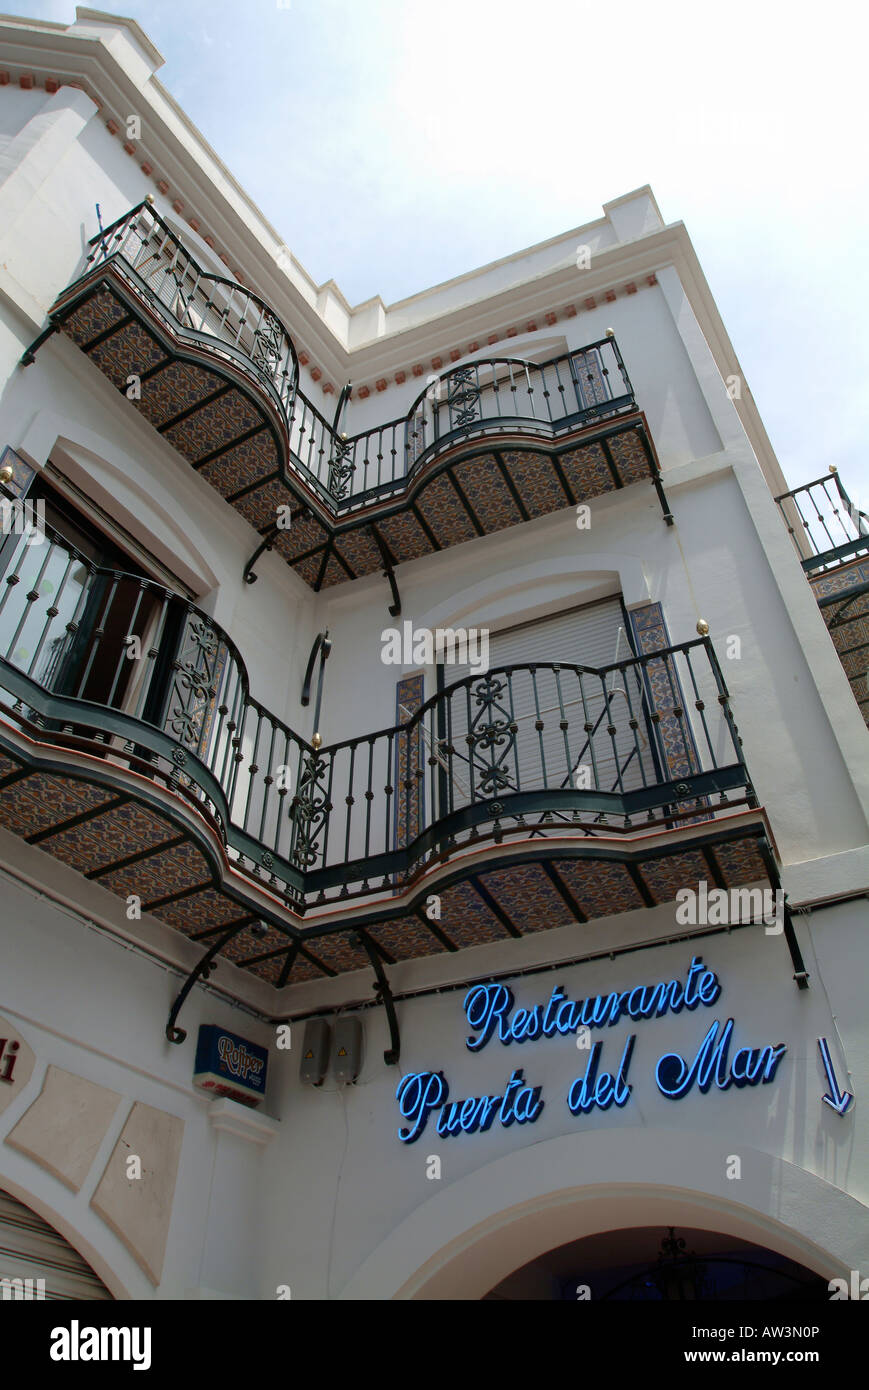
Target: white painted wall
[324,1196]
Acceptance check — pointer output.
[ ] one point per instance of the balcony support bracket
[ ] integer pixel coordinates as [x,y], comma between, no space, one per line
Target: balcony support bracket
[248,575]
[389,573]
[200,971]
[384,996]
[662,497]
[801,974]
[29,355]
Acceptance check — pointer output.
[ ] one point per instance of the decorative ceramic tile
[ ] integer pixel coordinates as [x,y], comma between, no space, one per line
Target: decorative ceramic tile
[630,457]
[467,919]
[337,951]
[665,877]
[483,484]
[536,482]
[243,465]
[161,875]
[835,581]
[201,911]
[586,472]
[405,938]
[214,426]
[270,970]
[409,758]
[600,887]
[309,569]
[7,766]
[41,801]
[110,837]
[526,895]
[304,534]
[260,507]
[93,317]
[439,504]
[130,351]
[335,573]
[360,551]
[245,945]
[174,388]
[404,536]
[675,736]
[740,862]
[302,970]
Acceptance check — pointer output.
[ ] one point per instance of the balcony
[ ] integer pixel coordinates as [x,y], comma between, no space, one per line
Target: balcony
[831,536]
[484,447]
[132,749]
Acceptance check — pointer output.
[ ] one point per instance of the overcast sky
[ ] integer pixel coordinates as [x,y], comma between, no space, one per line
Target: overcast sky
[397,143]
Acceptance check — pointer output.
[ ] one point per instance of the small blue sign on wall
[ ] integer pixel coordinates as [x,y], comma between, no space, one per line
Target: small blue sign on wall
[227,1065]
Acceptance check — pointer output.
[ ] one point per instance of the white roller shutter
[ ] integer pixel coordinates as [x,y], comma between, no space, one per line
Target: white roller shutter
[30,1249]
[551,757]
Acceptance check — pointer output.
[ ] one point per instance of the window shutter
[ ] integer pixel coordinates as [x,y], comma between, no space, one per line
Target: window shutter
[31,1249]
[551,756]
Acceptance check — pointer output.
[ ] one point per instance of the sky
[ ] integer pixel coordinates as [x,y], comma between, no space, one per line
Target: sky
[394,144]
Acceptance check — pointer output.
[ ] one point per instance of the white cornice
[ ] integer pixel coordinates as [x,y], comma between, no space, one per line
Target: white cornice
[115,61]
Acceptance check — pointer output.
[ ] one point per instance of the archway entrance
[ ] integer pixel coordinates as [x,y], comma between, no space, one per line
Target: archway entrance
[37,1262]
[655,1264]
[475,1232]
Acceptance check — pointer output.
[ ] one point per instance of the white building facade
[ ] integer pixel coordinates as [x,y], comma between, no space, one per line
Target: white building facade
[449,701]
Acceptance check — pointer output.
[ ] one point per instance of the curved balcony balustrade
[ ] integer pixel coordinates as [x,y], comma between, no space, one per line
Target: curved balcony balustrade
[121,656]
[132,749]
[831,536]
[484,446]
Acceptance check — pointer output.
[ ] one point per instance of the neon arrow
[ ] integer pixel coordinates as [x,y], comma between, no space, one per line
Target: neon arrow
[840,1101]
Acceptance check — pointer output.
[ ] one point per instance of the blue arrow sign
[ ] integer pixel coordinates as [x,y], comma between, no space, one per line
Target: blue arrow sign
[840,1101]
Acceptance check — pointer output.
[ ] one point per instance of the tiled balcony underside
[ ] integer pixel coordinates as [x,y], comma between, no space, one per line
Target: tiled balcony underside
[847,620]
[229,433]
[134,848]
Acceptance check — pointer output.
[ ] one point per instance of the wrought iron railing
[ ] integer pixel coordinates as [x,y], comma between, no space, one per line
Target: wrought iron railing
[119,665]
[230,320]
[826,526]
[493,397]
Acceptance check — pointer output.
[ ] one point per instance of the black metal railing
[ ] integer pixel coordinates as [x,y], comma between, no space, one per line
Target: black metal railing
[826,526]
[491,397]
[495,396]
[213,310]
[119,665]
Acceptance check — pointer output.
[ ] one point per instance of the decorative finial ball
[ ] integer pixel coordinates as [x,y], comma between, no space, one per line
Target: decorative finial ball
[7,473]
[610,333]
[149,198]
[316,741]
[703,627]
[833,468]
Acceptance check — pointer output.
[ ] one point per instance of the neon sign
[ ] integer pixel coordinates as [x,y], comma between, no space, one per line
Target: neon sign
[490,1007]
[490,1010]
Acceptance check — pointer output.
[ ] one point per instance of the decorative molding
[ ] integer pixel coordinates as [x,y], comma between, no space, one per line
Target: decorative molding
[231,1117]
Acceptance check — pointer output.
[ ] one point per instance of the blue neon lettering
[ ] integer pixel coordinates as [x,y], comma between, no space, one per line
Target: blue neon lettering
[505,1114]
[566,1020]
[490,1008]
[549,1025]
[418,1094]
[590,1091]
[527,1098]
[750,1066]
[485,1006]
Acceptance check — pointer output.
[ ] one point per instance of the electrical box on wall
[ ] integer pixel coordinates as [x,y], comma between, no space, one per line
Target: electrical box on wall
[347,1057]
[315,1052]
